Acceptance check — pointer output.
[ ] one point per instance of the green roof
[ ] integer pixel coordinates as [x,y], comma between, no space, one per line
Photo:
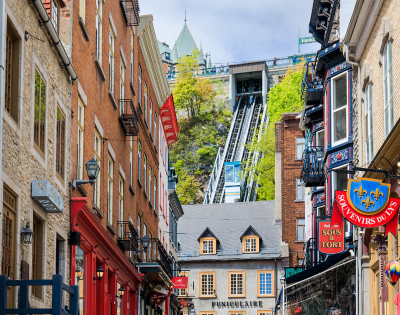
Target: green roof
[163,48]
[184,45]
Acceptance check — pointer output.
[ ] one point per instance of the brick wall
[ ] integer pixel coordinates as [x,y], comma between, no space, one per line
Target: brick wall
[287,131]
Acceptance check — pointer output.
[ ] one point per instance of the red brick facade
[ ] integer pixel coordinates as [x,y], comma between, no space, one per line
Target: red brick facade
[286,133]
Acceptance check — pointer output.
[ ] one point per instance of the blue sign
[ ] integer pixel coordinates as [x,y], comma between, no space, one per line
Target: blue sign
[367,196]
[47,196]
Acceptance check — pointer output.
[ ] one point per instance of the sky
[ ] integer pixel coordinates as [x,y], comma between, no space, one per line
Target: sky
[235,30]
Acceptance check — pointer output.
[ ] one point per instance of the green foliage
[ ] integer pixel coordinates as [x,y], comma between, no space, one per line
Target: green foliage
[194,153]
[285,97]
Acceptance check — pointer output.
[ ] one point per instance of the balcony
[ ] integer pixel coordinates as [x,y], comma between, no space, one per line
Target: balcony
[128,120]
[312,255]
[312,86]
[130,9]
[127,236]
[312,172]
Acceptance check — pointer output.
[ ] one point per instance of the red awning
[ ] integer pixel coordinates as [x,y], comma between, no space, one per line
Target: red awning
[169,121]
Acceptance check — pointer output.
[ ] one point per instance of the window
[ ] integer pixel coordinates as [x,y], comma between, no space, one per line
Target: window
[110,181]
[155,130]
[368,123]
[150,184]
[265,283]
[130,161]
[250,244]
[40,113]
[81,116]
[265,312]
[111,58]
[139,159]
[119,301]
[12,72]
[151,117]
[80,266]
[122,85]
[82,9]
[319,138]
[55,15]
[145,102]
[300,145]
[138,226]
[131,77]
[9,236]
[388,87]
[140,87]
[236,284]
[145,234]
[182,292]
[208,313]
[167,56]
[208,246]
[99,29]
[97,157]
[300,190]
[144,172]
[207,284]
[155,193]
[60,145]
[237,312]
[339,180]
[339,108]
[121,201]
[300,235]
[37,255]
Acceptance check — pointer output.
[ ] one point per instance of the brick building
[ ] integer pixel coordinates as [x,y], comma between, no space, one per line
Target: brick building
[289,190]
[36,135]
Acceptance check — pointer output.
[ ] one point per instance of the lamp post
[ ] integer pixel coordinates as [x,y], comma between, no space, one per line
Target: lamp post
[121,292]
[145,243]
[283,294]
[99,273]
[92,170]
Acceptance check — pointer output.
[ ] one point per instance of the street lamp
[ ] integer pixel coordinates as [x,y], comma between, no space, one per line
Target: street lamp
[92,170]
[78,274]
[26,234]
[145,243]
[121,291]
[99,273]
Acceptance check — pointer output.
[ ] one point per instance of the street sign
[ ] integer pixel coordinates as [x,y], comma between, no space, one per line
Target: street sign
[307,40]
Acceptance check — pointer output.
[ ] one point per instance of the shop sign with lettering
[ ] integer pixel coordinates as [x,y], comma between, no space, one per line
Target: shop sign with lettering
[180,282]
[366,203]
[237,304]
[330,238]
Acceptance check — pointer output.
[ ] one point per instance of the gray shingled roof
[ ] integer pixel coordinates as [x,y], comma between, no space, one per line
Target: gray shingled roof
[228,221]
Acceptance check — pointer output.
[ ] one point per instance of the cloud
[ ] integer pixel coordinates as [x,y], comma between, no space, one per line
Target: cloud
[235,30]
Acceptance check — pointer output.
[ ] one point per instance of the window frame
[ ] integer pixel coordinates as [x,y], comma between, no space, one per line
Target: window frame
[60,148]
[110,183]
[99,29]
[237,312]
[214,274]
[111,58]
[97,157]
[302,144]
[250,237]
[122,84]
[56,24]
[259,272]
[145,104]
[243,273]
[37,145]
[369,143]
[344,107]
[297,229]
[183,274]
[144,173]
[80,138]
[140,88]
[207,239]
[139,160]
[37,254]
[299,183]
[316,138]
[387,104]
[208,313]
[82,10]
[131,56]
[260,312]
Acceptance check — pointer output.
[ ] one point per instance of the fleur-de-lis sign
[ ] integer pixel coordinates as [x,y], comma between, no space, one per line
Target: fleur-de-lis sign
[377,194]
[360,192]
[368,203]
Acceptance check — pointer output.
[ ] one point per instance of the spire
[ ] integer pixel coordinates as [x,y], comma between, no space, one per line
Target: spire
[185,15]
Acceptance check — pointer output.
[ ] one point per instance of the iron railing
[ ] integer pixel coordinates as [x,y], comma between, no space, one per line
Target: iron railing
[127,236]
[310,80]
[130,9]
[312,172]
[211,183]
[156,253]
[128,120]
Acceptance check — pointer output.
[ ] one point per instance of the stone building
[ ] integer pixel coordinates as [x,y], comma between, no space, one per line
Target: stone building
[289,190]
[36,130]
[232,256]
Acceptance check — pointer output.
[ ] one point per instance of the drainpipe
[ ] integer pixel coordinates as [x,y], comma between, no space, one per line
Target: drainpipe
[359,303]
[53,34]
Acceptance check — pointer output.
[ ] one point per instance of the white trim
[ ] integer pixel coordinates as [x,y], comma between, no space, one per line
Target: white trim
[82,94]
[121,171]
[333,142]
[111,151]
[112,25]
[98,125]
[123,55]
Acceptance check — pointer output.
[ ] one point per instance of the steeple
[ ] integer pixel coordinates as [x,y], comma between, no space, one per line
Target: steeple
[185,15]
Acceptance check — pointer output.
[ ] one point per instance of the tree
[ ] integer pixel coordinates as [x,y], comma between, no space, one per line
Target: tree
[282,98]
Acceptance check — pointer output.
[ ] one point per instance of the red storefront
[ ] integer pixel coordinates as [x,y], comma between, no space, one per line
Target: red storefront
[97,248]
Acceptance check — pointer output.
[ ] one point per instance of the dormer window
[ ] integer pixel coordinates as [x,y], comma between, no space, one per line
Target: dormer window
[250,241]
[167,56]
[208,242]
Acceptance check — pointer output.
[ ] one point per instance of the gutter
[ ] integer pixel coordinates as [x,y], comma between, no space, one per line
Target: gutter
[55,38]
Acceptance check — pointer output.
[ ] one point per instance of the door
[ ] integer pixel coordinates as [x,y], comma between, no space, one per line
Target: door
[9,238]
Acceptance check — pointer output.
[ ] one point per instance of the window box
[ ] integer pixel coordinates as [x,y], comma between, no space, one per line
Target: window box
[83,28]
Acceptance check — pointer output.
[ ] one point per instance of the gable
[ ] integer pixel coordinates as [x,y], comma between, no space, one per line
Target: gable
[250,231]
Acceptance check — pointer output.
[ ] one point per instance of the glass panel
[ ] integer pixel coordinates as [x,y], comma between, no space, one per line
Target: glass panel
[320,138]
[340,92]
[339,127]
[237,173]
[80,281]
[246,86]
[229,173]
[341,181]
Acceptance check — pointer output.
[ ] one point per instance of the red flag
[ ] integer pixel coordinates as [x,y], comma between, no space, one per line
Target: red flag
[337,216]
[169,121]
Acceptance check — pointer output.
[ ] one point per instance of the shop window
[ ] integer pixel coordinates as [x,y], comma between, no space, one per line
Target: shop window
[368,123]
[237,284]
[119,301]
[40,113]
[12,72]
[37,255]
[257,85]
[80,277]
[265,283]
[388,87]
[319,138]
[300,228]
[339,109]
[97,157]
[207,284]
[300,145]
[320,212]
[60,145]
[250,244]
[246,88]
[300,190]
[111,58]
[208,245]
[110,182]
[99,29]
[81,130]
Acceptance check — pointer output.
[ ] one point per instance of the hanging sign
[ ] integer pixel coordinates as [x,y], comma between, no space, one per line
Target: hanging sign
[307,40]
[366,204]
[330,238]
[180,282]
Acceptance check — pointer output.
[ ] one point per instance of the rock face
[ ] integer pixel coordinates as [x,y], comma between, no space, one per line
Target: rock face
[222,129]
